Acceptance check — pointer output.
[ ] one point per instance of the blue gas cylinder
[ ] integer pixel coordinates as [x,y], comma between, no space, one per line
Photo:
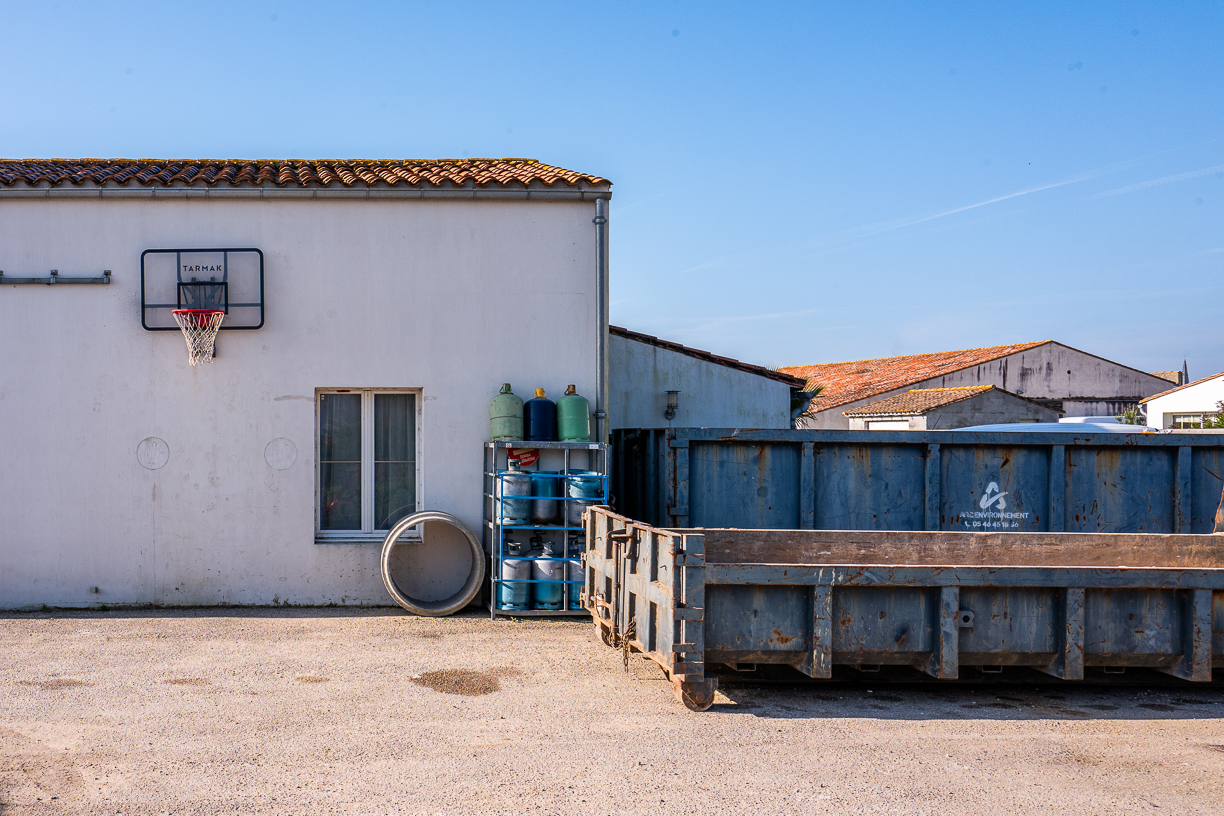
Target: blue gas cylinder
[540,418]
[548,572]
[514,589]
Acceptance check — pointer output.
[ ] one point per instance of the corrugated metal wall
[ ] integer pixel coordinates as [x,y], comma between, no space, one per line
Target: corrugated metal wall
[934,480]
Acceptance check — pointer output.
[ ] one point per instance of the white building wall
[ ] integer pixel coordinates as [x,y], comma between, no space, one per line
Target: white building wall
[449,297]
[711,395]
[1200,398]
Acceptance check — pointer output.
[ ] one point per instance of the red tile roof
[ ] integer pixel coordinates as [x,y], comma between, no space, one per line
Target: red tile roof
[860,379]
[1180,387]
[760,371]
[289,173]
[919,400]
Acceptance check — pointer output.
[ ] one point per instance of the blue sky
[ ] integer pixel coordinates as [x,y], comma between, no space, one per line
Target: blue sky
[794,183]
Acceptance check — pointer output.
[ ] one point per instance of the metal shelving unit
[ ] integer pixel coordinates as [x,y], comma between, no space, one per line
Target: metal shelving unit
[559,461]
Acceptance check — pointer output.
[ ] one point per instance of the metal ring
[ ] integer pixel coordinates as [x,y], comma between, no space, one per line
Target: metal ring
[448,606]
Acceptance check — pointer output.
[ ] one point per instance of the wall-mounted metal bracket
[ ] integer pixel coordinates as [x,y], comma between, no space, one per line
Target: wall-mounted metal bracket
[54,277]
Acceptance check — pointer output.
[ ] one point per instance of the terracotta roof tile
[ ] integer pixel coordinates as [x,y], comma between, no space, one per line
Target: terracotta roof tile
[919,400]
[290,173]
[860,379]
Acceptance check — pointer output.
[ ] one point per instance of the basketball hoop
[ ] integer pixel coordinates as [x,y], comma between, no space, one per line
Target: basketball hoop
[200,327]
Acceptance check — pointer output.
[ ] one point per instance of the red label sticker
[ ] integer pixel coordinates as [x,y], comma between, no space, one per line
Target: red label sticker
[523,456]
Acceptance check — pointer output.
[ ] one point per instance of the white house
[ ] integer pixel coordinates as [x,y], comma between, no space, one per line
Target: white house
[1184,406]
[376,307]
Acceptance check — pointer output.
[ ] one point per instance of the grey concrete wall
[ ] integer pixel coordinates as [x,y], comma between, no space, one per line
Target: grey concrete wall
[711,395]
[987,408]
[451,298]
[1051,371]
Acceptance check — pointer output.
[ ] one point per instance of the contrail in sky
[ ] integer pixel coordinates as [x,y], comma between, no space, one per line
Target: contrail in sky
[870,230]
[1143,185]
[1088,175]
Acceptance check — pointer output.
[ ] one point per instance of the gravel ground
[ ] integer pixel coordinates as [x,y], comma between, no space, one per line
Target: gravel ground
[375,712]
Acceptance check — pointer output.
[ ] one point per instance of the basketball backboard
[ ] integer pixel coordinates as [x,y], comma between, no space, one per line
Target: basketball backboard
[227,279]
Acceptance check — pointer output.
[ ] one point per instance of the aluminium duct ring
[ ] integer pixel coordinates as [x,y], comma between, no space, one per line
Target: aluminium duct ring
[447,606]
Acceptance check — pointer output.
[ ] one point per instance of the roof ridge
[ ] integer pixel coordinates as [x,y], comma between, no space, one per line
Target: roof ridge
[912,402]
[699,354]
[1180,387]
[121,159]
[298,173]
[922,354]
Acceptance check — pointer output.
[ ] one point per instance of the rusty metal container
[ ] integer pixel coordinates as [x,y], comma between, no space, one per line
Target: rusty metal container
[920,480]
[1067,604]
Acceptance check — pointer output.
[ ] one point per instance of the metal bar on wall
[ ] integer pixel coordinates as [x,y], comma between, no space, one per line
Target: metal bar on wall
[1181,491]
[1058,488]
[54,278]
[931,509]
[807,487]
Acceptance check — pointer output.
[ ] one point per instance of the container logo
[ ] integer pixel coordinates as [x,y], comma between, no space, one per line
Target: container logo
[992,496]
[993,513]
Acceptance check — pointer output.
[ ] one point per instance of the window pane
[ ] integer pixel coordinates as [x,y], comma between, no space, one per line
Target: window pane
[341,496]
[394,492]
[340,461]
[339,427]
[394,458]
[1187,421]
[393,427]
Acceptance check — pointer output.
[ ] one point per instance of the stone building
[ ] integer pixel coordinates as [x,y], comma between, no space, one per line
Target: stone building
[943,409]
[1049,373]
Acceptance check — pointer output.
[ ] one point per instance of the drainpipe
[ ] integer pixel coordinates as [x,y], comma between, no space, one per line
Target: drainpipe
[601,307]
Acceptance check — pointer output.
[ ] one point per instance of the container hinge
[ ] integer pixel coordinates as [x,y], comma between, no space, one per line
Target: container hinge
[685,648]
[688,613]
[680,670]
[697,560]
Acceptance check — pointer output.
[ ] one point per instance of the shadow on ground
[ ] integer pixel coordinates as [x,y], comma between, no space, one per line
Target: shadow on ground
[1140,694]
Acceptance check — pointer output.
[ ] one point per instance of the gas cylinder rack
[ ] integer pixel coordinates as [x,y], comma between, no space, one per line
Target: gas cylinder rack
[534,535]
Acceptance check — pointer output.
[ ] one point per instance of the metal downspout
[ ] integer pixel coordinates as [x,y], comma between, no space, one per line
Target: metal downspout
[601,306]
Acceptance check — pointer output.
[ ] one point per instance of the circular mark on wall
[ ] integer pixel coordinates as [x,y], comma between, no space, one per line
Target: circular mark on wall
[280,454]
[152,453]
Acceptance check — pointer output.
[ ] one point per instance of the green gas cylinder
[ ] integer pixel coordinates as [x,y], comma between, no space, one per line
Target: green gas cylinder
[506,416]
[573,417]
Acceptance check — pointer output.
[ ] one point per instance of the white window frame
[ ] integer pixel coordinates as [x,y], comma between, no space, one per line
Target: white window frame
[366,535]
[1196,422]
[889,424]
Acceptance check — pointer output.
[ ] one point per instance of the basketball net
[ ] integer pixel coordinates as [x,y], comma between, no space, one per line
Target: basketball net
[200,327]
